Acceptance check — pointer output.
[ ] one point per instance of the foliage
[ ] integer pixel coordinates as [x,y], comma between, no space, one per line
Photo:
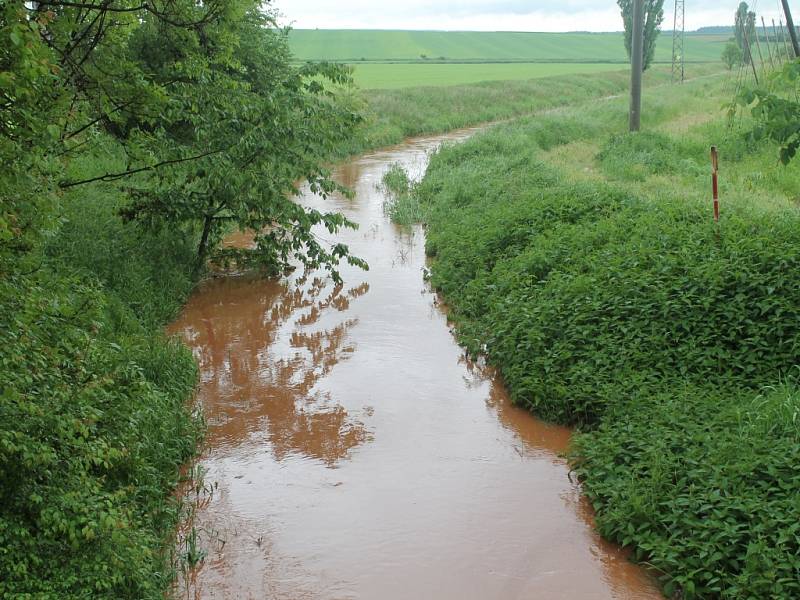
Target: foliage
[187,118]
[732,55]
[93,427]
[704,485]
[745,30]
[653,17]
[620,306]
[264,125]
[776,110]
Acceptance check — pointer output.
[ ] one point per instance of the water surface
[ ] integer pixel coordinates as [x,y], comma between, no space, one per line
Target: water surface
[356,453]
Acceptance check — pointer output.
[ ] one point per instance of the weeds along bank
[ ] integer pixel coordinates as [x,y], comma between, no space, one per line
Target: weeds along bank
[94,422]
[587,266]
[390,116]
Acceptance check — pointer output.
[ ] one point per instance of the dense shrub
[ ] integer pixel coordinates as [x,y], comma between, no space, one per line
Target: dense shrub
[622,307]
[94,414]
[93,425]
[705,486]
[581,292]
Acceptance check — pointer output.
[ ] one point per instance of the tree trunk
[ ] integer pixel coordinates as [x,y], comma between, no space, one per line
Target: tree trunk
[202,248]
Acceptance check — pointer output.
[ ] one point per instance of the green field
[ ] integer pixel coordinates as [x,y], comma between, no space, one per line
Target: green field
[400,75]
[374,45]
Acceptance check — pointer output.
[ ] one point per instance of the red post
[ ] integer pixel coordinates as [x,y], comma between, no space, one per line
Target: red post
[714,182]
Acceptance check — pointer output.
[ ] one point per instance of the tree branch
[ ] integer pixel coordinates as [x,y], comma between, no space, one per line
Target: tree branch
[123,174]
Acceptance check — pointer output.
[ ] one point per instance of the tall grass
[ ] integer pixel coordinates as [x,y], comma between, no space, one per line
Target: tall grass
[393,115]
[401,204]
[600,286]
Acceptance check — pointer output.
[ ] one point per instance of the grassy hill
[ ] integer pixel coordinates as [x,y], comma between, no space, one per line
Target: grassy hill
[411,46]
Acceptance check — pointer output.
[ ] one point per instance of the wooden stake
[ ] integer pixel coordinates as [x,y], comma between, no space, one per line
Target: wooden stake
[769,43]
[786,47]
[714,181]
[778,52]
[749,50]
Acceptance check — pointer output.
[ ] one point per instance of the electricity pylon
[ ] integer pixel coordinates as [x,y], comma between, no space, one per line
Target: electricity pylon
[678,37]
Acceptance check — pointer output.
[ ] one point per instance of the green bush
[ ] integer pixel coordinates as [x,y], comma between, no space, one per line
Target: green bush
[704,485]
[94,414]
[93,427]
[645,323]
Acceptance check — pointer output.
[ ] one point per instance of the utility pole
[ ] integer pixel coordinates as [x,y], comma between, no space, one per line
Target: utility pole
[678,38]
[790,24]
[637,60]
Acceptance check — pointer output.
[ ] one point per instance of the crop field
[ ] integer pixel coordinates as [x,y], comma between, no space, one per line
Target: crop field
[353,46]
[404,75]
[403,59]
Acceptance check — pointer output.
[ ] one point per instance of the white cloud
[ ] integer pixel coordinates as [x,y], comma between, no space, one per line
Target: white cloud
[484,15]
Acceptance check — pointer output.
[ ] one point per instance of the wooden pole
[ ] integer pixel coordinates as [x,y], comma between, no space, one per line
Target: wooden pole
[758,47]
[778,51]
[790,24]
[714,181]
[749,53]
[637,60]
[784,40]
[769,43]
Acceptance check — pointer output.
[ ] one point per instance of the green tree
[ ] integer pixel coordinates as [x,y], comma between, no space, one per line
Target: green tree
[653,17]
[217,122]
[776,110]
[745,30]
[255,125]
[732,55]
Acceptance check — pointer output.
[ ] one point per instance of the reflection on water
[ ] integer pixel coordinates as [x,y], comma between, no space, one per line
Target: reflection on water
[353,452]
[248,389]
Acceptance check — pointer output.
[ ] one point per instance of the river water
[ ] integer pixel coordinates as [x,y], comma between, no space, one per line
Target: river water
[354,452]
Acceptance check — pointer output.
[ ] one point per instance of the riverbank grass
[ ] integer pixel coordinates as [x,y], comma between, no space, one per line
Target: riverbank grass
[586,263]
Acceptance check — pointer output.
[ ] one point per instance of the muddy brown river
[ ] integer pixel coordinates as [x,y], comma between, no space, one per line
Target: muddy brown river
[353,452]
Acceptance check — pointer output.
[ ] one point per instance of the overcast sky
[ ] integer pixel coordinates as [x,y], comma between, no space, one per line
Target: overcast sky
[492,15]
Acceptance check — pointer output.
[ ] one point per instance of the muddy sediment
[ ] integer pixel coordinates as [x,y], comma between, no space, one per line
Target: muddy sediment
[354,452]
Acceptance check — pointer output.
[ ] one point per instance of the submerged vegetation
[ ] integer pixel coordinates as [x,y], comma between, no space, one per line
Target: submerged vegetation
[402,205]
[587,266]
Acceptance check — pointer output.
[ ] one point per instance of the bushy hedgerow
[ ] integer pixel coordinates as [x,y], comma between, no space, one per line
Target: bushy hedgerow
[94,414]
[704,485]
[648,325]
